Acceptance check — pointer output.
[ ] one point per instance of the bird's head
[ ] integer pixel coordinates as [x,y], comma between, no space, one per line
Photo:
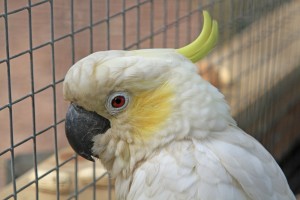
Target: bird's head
[127,104]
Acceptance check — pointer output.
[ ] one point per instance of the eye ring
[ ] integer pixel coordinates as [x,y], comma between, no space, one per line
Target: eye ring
[117,102]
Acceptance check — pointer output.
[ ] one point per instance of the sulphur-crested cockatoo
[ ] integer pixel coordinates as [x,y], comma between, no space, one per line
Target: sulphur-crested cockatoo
[162,131]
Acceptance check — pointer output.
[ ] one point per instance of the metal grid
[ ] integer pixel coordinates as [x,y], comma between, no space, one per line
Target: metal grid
[40,40]
[258,71]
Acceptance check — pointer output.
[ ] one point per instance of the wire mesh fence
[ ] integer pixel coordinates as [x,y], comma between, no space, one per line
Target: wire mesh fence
[256,65]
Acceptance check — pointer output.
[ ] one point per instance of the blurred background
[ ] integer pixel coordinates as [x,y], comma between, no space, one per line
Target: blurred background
[256,64]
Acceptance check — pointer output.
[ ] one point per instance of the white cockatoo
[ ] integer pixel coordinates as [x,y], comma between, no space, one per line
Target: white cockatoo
[162,131]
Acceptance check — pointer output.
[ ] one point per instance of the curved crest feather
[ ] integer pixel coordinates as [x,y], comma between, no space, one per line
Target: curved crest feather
[204,43]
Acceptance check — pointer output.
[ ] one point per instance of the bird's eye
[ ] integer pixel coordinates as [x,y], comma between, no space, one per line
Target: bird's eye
[117,102]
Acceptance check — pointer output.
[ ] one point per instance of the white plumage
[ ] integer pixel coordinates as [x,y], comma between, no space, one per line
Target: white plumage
[208,169]
[196,151]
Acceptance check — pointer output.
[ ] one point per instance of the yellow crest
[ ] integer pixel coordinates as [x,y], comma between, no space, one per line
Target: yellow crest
[204,43]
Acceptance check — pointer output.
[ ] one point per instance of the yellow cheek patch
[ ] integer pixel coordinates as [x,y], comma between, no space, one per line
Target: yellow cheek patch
[149,110]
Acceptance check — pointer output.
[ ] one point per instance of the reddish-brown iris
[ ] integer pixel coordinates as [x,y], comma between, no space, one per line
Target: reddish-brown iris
[118,101]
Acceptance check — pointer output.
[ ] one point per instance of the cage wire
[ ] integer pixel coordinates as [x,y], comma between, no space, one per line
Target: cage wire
[256,65]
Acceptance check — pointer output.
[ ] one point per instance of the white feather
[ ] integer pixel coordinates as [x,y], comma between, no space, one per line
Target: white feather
[199,153]
[184,170]
[249,163]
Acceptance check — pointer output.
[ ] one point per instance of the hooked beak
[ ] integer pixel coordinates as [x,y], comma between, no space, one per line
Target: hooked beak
[81,127]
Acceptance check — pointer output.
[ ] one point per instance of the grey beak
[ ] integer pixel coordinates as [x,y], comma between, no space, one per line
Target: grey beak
[81,127]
